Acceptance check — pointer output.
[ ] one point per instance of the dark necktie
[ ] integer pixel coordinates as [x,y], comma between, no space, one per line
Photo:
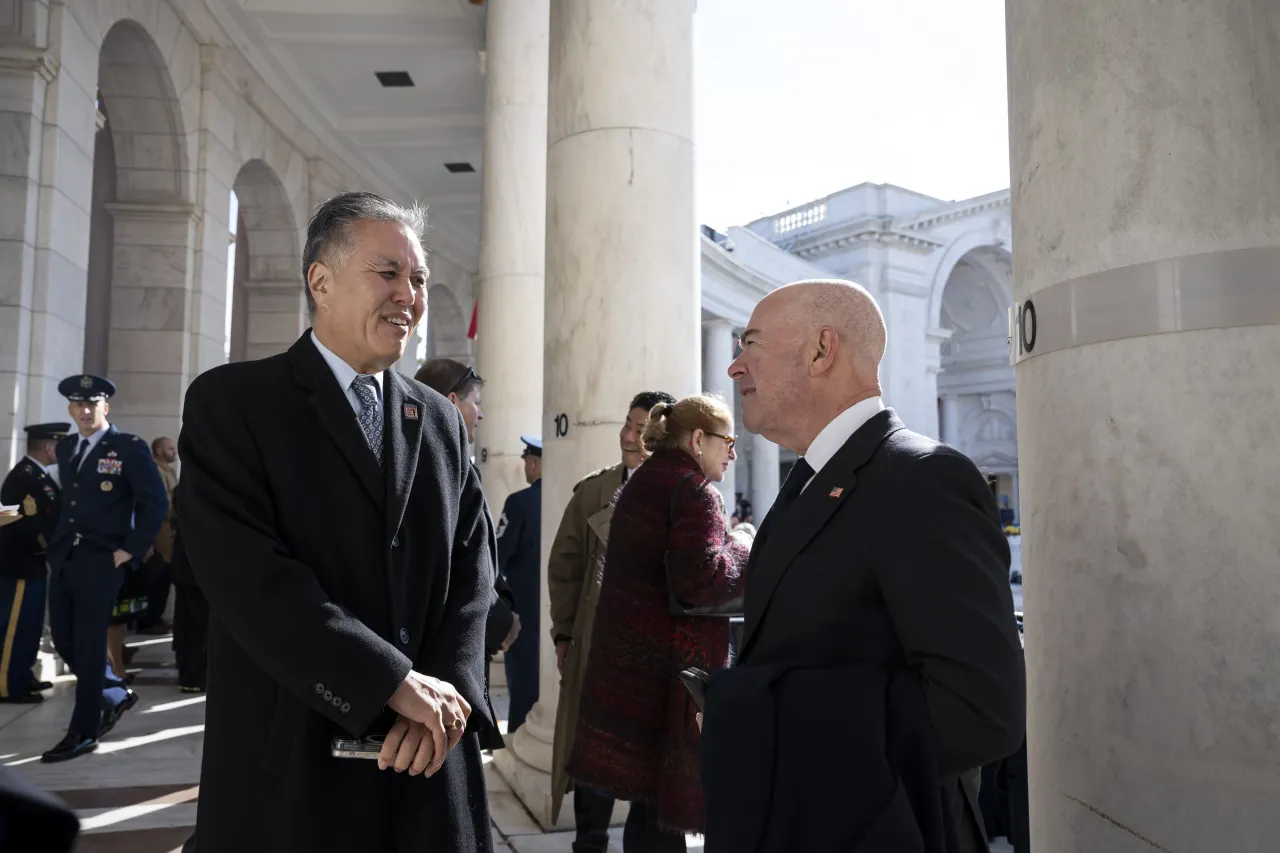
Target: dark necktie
[370,416]
[796,480]
[79,457]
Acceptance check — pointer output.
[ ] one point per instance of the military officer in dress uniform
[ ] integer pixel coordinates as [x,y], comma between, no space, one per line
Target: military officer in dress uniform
[113,503]
[23,573]
[519,560]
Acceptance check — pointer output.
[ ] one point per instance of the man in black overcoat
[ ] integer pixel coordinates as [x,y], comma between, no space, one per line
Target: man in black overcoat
[338,530]
[883,554]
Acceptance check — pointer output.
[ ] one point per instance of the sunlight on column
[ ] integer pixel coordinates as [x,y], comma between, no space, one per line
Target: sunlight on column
[233,216]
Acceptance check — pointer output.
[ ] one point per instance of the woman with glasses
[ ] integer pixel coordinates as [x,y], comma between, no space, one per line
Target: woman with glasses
[668,553]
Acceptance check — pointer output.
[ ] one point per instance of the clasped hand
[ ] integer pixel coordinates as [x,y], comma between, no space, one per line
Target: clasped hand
[424,732]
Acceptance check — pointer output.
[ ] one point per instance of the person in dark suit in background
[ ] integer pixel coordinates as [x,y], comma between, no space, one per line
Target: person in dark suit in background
[113,503]
[24,572]
[190,619]
[882,555]
[336,525]
[460,385]
[519,565]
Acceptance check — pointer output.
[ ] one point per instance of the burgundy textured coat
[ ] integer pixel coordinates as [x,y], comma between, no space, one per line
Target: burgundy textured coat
[637,737]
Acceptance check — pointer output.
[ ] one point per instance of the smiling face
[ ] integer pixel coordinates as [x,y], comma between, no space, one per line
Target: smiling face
[629,437]
[367,308]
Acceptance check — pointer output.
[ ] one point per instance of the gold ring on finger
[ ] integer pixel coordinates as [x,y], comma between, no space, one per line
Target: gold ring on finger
[457,725]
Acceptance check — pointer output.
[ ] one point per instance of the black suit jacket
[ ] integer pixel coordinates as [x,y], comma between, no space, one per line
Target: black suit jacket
[326,583]
[894,558]
[819,759]
[31,819]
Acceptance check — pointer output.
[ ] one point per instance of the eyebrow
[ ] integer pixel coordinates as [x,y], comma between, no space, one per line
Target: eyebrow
[748,333]
[386,261]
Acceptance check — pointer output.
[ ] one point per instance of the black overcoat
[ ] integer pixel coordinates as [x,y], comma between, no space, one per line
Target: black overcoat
[326,583]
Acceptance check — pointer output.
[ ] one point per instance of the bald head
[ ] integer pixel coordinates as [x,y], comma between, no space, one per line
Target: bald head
[841,305]
[811,350]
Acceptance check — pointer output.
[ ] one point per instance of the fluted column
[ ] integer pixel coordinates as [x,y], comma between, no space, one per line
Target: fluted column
[951,420]
[622,286]
[512,239]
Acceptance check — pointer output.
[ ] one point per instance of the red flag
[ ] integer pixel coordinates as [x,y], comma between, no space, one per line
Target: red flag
[471,332]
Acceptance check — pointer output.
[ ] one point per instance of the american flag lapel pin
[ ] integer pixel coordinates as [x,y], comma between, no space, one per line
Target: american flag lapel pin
[410,412]
[836,492]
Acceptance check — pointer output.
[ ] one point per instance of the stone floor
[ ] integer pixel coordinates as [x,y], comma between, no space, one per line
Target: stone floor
[138,792]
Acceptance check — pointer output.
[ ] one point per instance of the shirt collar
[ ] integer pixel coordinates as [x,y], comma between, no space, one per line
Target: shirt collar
[343,372]
[94,438]
[834,435]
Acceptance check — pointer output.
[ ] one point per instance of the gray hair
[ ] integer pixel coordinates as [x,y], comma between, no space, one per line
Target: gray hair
[331,240]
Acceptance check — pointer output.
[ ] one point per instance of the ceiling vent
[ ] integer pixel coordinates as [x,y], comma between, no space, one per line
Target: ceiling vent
[459,168]
[394,79]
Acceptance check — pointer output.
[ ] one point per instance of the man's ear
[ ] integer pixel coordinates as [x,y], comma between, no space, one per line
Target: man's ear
[823,354]
[318,278]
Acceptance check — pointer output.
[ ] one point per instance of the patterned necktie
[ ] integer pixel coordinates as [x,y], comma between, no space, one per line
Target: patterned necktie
[370,416]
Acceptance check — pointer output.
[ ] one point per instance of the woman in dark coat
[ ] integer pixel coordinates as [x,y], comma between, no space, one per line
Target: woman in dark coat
[637,736]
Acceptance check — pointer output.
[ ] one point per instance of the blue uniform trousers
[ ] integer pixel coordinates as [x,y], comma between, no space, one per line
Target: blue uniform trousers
[21,624]
[521,664]
[81,597]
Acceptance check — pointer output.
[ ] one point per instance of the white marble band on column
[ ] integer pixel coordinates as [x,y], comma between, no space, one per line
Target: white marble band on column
[1214,290]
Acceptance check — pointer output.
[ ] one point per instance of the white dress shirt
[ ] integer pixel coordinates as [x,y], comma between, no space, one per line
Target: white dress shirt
[93,442]
[346,374]
[834,435]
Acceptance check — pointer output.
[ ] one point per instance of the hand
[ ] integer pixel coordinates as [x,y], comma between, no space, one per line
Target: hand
[121,557]
[408,747]
[513,633]
[562,650]
[699,716]
[435,704]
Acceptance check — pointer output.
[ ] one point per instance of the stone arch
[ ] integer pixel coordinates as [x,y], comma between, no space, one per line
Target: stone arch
[268,305]
[446,326]
[992,236]
[139,278]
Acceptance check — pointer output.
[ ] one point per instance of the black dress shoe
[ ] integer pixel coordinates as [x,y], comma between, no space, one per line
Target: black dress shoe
[41,685]
[110,718]
[71,746]
[187,688]
[22,699]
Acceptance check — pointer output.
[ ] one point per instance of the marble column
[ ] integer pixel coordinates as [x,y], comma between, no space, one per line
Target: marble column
[512,239]
[765,475]
[622,286]
[1143,142]
[148,349]
[950,420]
[715,380]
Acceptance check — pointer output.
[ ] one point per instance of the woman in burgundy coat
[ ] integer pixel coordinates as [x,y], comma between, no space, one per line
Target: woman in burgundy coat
[637,737]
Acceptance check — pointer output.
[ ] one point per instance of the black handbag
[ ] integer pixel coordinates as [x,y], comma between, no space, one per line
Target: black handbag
[727,610]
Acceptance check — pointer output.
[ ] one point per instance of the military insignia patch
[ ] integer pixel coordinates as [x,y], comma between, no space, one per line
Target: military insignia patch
[86,381]
[111,454]
[107,485]
[29,505]
[110,467]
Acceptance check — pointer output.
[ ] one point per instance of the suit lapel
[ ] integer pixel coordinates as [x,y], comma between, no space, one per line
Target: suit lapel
[805,518]
[333,410]
[402,424]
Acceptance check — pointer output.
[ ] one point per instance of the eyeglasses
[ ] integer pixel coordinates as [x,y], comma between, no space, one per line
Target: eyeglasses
[730,440]
[466,377]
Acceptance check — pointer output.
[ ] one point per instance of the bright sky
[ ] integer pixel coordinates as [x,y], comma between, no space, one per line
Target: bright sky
[802,98]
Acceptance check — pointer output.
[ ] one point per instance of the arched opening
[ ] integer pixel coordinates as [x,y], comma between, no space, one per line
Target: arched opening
[267,304]
[446,326]
[976,399]
[141,232]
